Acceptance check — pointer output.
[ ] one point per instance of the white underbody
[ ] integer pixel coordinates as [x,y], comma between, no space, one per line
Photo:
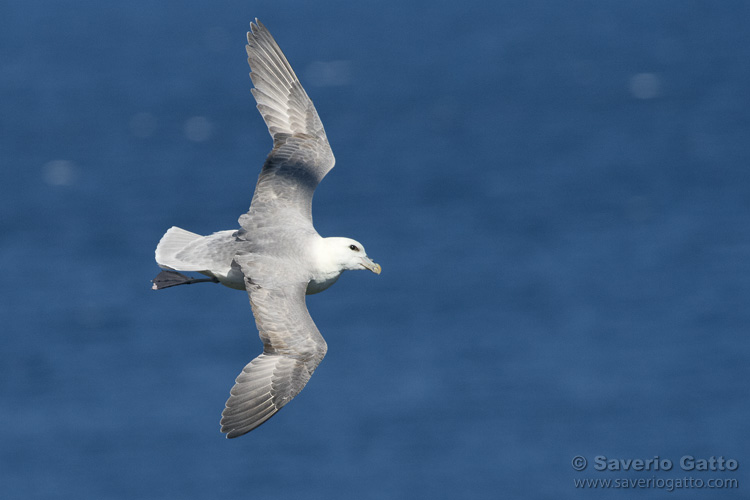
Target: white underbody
[212,255]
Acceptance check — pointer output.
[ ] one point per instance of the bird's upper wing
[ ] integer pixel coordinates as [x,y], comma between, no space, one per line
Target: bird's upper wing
[301,155]
[292,345]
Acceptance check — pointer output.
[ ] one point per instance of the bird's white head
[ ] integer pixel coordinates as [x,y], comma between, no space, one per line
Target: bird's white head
[347,254]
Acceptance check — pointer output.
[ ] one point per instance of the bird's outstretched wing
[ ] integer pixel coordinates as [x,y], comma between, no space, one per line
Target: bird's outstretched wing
[301,155]
[292,346]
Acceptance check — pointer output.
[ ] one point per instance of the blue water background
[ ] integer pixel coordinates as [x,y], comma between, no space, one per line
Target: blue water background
[558,193]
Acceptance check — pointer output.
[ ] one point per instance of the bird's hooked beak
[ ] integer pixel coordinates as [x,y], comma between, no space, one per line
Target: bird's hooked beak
[367,263]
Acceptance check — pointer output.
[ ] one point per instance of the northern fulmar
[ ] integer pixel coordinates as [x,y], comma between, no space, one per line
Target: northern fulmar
[276,255]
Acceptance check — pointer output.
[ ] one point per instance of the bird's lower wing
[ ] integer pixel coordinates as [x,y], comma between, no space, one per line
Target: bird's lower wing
[292,347]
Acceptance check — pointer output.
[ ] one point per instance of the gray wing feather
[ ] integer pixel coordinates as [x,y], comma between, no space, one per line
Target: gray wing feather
[292,346]
[301,155]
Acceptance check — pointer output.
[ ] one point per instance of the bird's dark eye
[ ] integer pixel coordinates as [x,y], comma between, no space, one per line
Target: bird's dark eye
[354,247]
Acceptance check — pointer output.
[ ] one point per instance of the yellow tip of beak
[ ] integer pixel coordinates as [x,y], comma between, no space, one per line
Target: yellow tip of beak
[369,264]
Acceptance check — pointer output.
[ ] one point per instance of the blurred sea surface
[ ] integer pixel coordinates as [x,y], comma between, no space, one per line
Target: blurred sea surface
[558,193]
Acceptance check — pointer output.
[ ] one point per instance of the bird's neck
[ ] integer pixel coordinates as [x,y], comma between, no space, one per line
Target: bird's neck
[326,268]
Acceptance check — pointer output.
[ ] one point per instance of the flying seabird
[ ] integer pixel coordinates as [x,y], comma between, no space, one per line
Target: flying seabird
[276,255]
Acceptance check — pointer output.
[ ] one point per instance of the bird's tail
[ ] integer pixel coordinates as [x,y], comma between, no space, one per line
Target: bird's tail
[172,243]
